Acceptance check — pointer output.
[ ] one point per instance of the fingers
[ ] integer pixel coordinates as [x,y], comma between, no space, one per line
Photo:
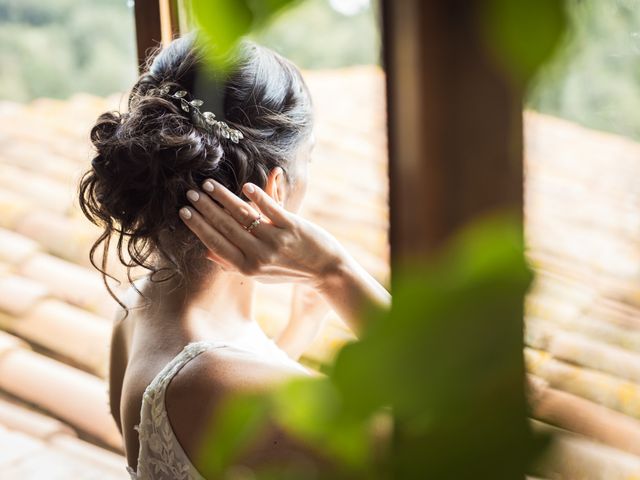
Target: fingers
[241,211]
[211,238]
[238,208]
[267,205]
[223,223]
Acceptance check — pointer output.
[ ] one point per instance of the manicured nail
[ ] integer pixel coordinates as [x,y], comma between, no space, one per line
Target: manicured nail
[207,186]
[249,188]
[193,195]
[185,213]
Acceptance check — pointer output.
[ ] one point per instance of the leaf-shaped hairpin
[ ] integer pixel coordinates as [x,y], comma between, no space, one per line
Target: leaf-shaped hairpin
[209,118]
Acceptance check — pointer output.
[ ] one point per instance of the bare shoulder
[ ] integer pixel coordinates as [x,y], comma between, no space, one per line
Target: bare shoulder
[197,393]
[213,376]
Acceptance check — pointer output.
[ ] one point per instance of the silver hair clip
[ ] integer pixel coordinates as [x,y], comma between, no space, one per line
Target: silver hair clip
[207,119]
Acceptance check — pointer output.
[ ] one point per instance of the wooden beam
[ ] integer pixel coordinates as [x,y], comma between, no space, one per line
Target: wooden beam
[455,128]
[148,28]
[157,22]
[455,153]
[169,20]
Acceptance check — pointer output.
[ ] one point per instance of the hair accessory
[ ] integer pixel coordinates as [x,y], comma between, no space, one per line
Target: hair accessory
[206,119]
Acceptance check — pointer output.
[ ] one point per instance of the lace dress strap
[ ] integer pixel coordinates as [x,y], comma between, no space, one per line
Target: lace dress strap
[160,455]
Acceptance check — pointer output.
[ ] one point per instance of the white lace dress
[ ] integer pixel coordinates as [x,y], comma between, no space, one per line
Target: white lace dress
[161,456]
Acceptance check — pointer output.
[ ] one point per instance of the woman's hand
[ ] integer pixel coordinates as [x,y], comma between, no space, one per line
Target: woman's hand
[282,247]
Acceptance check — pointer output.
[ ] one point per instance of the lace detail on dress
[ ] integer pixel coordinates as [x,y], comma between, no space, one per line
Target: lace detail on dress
[160,456]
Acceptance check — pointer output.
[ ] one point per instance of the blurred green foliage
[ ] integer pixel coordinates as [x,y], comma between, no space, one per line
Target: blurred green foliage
[524,33]
[54,49]
[223,22]
[594,78]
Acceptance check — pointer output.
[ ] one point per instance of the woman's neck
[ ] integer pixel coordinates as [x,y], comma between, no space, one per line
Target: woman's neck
[219,305]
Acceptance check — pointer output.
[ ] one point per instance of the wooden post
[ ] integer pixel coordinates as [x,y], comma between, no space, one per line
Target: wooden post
[169,21]
[455,146]
[156,22]
[148,31]
[455,128]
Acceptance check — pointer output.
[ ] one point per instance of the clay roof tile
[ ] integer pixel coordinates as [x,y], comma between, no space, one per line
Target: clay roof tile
[35,424]
[18,295]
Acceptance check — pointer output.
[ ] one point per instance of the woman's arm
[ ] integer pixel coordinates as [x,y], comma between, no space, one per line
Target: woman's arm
[351,290]
[283,247]
[117,367]
[308,315]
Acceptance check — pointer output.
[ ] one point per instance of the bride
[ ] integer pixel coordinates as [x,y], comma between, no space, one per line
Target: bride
[198,182]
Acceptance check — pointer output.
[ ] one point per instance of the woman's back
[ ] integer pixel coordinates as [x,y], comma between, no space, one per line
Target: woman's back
[160,454]
[165,397]
[167,420]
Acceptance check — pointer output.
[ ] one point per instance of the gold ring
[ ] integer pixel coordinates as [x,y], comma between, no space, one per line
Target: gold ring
[255,223]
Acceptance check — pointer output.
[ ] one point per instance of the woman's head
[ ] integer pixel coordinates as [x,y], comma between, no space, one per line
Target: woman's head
[149,156]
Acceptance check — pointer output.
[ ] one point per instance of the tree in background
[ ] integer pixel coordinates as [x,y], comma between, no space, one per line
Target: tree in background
[314,35]
[54,49]
[595,77]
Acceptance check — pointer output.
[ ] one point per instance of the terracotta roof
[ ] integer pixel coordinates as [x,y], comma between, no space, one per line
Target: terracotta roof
[577,457]
[582,225]
[60,456]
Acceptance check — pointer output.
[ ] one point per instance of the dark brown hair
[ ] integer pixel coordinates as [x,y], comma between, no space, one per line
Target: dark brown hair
[149,156]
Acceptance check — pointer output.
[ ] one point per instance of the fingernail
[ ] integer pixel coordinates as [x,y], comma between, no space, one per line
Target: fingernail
[185,213]
[249,188]
[193,195]
[207,186]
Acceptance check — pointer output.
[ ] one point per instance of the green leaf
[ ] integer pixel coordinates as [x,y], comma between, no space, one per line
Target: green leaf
[238,423]
[523,33]
[311,409]
[448,359]
[223,23]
